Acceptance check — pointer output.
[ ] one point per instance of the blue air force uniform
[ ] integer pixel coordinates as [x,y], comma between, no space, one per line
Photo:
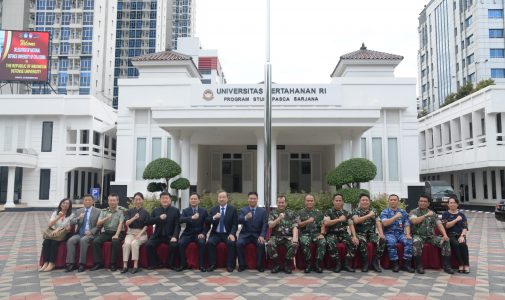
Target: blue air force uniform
[396,233]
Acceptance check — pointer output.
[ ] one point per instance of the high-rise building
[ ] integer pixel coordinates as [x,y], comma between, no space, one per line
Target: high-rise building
[459,41]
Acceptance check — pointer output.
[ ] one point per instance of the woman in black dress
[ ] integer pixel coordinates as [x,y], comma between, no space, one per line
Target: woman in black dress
[456,225]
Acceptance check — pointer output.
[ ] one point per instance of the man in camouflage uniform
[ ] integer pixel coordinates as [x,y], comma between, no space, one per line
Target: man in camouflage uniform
[310,223]
[336,220]
[283,226]
[423,222]
[397,229]
[366,222]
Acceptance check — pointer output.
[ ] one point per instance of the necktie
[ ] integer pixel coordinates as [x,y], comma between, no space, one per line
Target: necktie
[253,212]
[82,230]
[221,221]
[194,210]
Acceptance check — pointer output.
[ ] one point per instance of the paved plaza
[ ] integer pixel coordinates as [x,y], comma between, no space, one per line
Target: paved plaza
[21,242]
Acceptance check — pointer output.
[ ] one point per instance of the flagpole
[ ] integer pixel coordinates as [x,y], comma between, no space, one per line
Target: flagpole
[268,117]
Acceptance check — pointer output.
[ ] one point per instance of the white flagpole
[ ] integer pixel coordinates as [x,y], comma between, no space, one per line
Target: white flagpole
[268,117]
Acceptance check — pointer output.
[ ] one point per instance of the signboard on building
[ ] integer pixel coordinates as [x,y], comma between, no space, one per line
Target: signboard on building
[24,56]
[253,95]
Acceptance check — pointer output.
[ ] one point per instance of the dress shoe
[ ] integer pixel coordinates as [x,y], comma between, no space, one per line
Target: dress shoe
[275,269]
[307,269]
[376,265]
[347,265]
[96,267]
[211,268]
[81,269]
[317,267]
[394,266]
[180,268]
[70,268]
[287,266]
[338,267]
[50,267]
[419,265]
[44,266]
[136,270]
[124,270]
[202,269]
[113,268]
[229,269]
[261,270]
[407,266]
[153,267]
[241,268]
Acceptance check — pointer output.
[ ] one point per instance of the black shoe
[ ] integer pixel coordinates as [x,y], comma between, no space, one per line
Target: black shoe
[153,267]
[407,266]
[240,269]
[419,265]
[376,265]
[447,265]
[275,268]
[229,269]
[317,267]
[136,270]
[124,270]
[96,267]
[180,268]
[202,269]
[307,269]
[347,265]
[113,268]
[287,267]
[261,270]
[338,267]
[211,268]
[394,266]
[70,268]
[364,268]
[81,269]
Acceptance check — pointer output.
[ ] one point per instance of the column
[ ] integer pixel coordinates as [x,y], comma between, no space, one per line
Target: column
[185,167]
[356,146]
[273,198]
[193,158]
[260,171]
[346,149]
[10,187]
[338,154]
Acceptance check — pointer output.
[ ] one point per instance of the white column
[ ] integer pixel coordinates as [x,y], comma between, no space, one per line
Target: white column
[346,148]
[338,154]
[185,166]
[356,146]
[193,171]
[260,170]
[176,149]
[10,187]
[273,198]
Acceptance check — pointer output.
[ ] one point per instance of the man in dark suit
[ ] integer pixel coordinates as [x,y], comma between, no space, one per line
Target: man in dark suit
[166,219]
[254,230]
[224,220]
[85,219]
[195,231]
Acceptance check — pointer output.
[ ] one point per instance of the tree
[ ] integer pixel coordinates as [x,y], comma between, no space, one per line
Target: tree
[180,184]
[161,168]
[351,172]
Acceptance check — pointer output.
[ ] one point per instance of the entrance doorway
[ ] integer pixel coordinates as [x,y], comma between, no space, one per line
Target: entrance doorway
[231,174]
[18,184]
[300,171]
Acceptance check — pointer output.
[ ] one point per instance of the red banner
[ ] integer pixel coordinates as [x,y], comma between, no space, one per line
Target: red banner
[24,56]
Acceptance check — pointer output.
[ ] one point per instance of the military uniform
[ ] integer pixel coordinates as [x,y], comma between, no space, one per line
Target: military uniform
[365,232]
[395,233]
[338,233]
[282,234]
[309,233]
[424,232]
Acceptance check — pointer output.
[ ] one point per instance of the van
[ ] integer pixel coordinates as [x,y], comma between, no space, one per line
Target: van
[439,192]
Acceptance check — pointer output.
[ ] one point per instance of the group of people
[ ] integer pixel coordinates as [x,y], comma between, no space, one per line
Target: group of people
[288,228]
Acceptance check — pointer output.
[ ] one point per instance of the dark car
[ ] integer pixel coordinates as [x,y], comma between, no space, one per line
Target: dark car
[439,191]
[499,212]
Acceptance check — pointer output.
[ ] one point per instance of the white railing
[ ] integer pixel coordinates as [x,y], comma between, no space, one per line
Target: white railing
[89,150]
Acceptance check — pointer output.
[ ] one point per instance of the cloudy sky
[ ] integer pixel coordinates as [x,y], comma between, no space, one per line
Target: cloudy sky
[307,37]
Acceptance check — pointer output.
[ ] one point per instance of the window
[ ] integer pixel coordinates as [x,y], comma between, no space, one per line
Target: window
[156,148]
[497,73]
[141,157]
[468,21]
[471,77]
[493,184]
[484,184]
[65,19]
[44,184]
[495,33]
[86,48]
[86,64]
[65,33]
[495,13]
[87,33]
[470,59]
[62,79]
[67,4]
[41,4]
[377,156]
[49,18]
[469,40]
[63,64]
[496,53]
[64,47]
[85,79]
[474,190]
[393,159]
[40,19]
[47,137]
[89,4]
[88,18]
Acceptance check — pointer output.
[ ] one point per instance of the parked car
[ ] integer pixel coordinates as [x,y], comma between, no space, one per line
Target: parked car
[439,191]
[499,212]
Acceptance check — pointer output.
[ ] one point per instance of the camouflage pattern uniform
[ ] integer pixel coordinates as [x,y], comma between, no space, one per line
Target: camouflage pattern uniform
[310,232]
[282,234]
[396,233]
[338,233]
[424,232]
[365,232]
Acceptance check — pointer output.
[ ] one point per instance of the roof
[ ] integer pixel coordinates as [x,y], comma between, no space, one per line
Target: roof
[364,53]
[168,55]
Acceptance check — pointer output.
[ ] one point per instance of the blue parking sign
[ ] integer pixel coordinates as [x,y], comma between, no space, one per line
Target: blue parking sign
[95,192]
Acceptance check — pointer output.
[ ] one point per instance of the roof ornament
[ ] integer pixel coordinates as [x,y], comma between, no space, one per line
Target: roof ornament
[363,47]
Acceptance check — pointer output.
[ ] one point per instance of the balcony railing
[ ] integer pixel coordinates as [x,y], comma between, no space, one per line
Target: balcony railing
[469,143]
[89,150]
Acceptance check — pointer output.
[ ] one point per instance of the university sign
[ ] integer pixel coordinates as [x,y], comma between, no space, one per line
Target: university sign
[253,95]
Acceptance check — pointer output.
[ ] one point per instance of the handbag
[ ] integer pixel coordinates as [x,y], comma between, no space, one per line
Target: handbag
[47,234]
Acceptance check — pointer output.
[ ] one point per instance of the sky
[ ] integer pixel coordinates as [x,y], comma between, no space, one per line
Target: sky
[307,37]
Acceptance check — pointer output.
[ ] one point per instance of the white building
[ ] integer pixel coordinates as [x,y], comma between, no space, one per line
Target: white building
[215,132]
[207,61]
[51,147]
[464,144]
[459,41]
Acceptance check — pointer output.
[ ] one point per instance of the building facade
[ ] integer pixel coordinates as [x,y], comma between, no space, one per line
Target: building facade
[459,42]
[215,132]
[54,146]
[464,144]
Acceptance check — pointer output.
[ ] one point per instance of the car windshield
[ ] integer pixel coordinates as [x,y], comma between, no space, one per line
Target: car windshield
[442,189]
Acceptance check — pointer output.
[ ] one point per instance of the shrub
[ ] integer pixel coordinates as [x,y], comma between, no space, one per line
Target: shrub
[380,203]
[484,83]
[352,195]
[180,184]
[351,172]
[162,168]
[154,187]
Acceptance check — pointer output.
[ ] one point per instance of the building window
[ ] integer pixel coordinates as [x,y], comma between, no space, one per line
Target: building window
[470,59]
[493,184]
[86,48]
[497,73]
[469,39]
[87,18]
[496,53]
[495,33]
[44,184]
[393,159]
[65,19]
[363,147]
[141,157]
[156,148]
[47,137]
[468,22]
[495,13]
[471,78]
[87,33]
[85,79]
[474,190]
[377,156]
[484,184]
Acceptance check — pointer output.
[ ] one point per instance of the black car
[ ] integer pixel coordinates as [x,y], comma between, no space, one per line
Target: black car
[499,212]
